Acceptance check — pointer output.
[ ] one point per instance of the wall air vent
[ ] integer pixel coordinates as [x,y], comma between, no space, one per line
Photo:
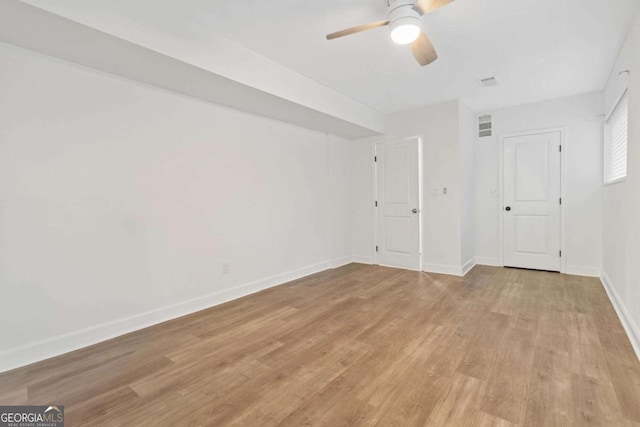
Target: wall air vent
[484,126]
[489,81]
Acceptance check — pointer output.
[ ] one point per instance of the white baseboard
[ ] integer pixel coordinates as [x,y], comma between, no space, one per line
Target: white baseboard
[55,346]
[570,269]
[582,271]
[362,259]
[468,266]
[452,270]
[630,326]
[339,262]
[492,262]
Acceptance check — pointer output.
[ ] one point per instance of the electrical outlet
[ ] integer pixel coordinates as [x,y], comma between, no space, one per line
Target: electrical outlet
[225,268]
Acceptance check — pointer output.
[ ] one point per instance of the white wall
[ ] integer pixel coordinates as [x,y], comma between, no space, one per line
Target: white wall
[621,266]
[340,233]
[120,202]
[581,117]
[439,126]
[362,199]
[468,142]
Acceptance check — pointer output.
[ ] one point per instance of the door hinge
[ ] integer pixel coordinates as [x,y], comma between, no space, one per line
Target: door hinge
[560,200]
[376,203]
[560,254]
[376,248]
[560,148]
[375,158]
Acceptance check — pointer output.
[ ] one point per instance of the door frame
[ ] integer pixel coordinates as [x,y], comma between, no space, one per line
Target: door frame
[563,180]
[377,142]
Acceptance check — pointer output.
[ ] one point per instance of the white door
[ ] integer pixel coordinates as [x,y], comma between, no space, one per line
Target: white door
[531,210]
[398,204]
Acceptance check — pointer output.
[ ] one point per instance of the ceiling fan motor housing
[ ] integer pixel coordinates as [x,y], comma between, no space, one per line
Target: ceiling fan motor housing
[401,13]
[402,9]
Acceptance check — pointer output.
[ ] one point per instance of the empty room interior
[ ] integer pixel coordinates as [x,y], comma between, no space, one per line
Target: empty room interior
[327,213]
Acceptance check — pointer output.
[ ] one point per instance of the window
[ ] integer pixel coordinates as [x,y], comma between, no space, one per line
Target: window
[615,147]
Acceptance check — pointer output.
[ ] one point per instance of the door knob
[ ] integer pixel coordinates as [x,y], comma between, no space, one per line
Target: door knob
[508,208]
[414,210]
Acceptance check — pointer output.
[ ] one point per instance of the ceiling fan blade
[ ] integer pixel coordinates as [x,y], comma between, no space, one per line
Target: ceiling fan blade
[357,29]
[426,6]
[423,50]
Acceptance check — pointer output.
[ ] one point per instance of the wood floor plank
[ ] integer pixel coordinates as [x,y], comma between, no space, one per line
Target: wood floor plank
[626,383]
[553,330]
[549,396]
[88,411]
[78,388]
[585,349]
[594,402]
[509,380]
[486,420]
[460,404]
[16,397]
[421,379]
[489,333]
[362,345]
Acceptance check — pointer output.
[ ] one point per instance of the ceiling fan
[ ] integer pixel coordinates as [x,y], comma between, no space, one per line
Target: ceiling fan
[404,18]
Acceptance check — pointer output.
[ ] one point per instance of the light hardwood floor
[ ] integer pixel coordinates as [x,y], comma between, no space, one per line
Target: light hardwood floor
[362,345]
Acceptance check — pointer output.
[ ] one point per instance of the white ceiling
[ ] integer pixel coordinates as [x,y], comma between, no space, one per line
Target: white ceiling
[538,49]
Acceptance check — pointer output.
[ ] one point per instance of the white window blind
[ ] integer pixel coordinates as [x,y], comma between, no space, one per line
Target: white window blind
[615,147]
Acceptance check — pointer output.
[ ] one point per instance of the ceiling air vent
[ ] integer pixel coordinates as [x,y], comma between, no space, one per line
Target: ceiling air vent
[484,126]
[489,81]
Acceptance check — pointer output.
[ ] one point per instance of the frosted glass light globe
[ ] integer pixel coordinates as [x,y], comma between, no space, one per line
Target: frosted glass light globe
[405,34]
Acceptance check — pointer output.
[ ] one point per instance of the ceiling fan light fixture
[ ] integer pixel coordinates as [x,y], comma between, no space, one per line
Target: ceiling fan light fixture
[405,23]
[404,18]
[405,32]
